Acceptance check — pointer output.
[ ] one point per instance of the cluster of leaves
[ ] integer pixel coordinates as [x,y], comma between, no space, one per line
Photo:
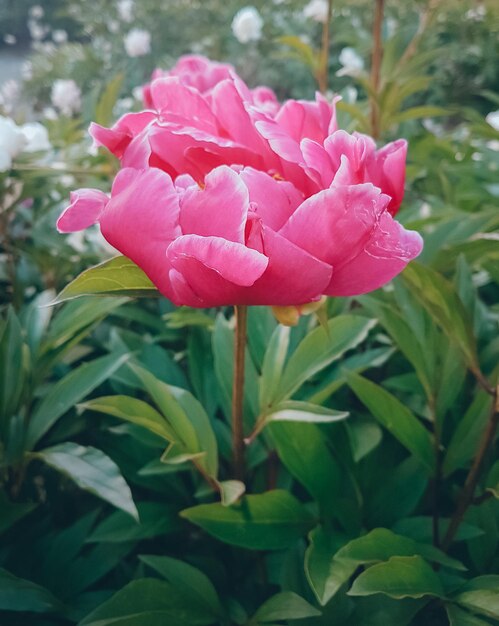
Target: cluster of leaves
[118,503]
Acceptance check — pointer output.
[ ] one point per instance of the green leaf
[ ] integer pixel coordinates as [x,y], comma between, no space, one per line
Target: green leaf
[319,349]
[458,617]
[154,519]
[399,577]
[67,392]
[273,365]
[467,434]
[380,544]
[395,417]
[18,594]
[441,301]
[325,574]
[92,471]
[481,595]
[187,418]
[269,521]
[284,606]
[150,602]
[12,511]
[190,580]
[304,451]
[295,411]
[132,410]
[231,491]
[13,365]
[416,113]
[116,277]
[105,105]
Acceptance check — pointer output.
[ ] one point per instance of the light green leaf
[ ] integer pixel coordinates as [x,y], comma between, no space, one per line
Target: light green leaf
[458,617]
[319,349]
[395,417]
[273,365]
[295,411]
[132,410]
[18,594]
[269,521]
[284,606]
[399,577]
[67,392]
[416,113]
[92,471]
[231,491]
[105,105]
[116,277]
[481,595]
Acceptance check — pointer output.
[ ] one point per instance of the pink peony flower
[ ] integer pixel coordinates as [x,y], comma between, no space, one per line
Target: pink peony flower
[227,197]
[245,237]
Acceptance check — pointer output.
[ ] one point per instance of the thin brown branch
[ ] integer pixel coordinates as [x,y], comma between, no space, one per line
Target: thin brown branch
[323,69]
[377,57]
[241,314]
[468,491]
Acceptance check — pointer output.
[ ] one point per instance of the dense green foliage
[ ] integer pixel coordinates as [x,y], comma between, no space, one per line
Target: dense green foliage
[118,503]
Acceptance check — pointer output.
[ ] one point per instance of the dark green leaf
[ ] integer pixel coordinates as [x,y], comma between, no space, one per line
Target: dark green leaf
[18,594]
[284,606]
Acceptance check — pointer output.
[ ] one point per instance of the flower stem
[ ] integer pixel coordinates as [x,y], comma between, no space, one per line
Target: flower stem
[241,314]
[377,56]
[470,484]
[323,69]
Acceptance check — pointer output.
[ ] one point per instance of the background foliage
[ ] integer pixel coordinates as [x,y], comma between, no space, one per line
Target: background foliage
[117,500]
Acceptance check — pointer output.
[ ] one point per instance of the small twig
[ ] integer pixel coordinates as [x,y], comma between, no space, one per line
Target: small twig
[377,57]
[241,314]
[323,69]
[470,484]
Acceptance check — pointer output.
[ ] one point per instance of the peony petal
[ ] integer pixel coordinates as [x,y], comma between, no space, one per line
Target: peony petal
[85,209]
[275,200]
[218,210]
[386,170]
[336,224]
[388,251]
[215,269]
[141,220]
[293,275]
[117,138]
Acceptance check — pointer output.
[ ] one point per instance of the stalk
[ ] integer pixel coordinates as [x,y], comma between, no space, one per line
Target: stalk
[322,71]
[377,56]
[241,315]
[471,482]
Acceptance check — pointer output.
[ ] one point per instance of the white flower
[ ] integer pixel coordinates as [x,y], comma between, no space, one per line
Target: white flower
[138,93]
[493,145]
[425,211]
[50,113]
[66,96]
[352,63]
[60,36]
[9,94]
[113,26]
[36,12]
[37,30]
[247,25]
[316,10]
[125,10]
[493,119]
[12,142]
[138,42]
[27,70]
[10,40]
[37,137]
[476,15]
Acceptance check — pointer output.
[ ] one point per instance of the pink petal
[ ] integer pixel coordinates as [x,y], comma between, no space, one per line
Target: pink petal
[141,220]
[387,170]
[318,162]
[293,275]
[388,251]
[275,200]
[84,210]
[215,269]
[336,224]
[218,210]
[117,138]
